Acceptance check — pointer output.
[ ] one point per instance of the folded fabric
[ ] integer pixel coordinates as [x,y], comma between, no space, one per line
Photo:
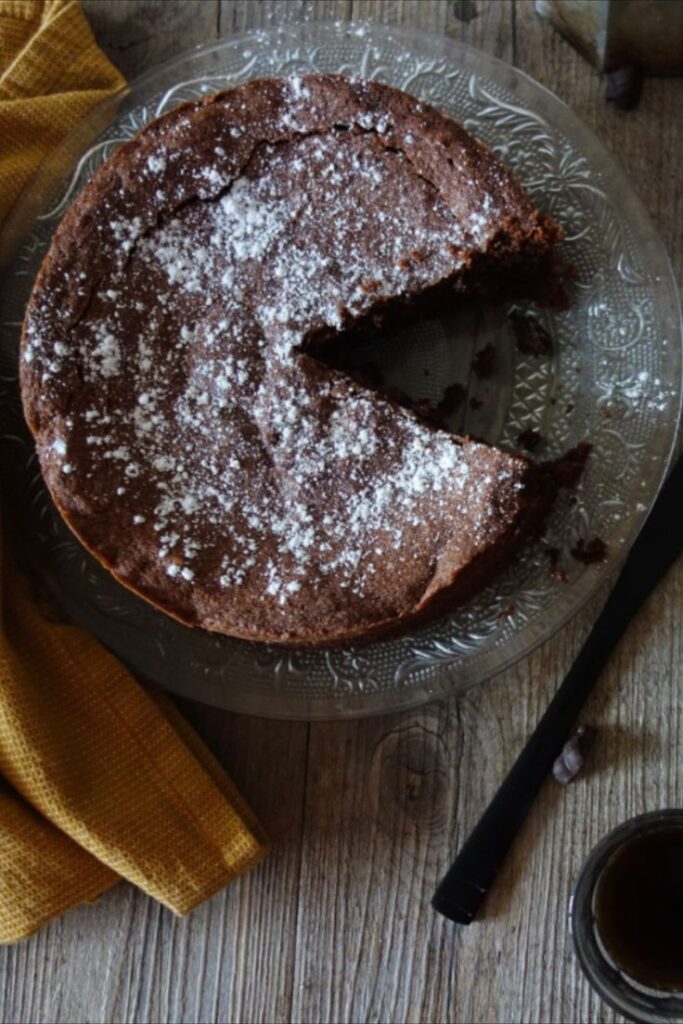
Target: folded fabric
[101,780]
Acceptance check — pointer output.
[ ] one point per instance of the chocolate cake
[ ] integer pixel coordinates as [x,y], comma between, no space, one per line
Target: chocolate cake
[172,361]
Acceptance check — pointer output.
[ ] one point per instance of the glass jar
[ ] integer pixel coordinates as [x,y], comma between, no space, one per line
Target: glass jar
[629,997]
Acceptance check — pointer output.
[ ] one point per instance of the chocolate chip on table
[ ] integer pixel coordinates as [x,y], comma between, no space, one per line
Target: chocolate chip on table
[532,337]
[588,552]
[572,760]
[624,86]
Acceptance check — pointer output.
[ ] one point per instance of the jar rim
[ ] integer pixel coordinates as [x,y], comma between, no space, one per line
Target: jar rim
[623,993]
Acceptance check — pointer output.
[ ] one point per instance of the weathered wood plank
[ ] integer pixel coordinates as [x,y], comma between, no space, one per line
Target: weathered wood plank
[388,801]
[647,141]
[237,16]
[139,35]
[365,816]
[517,964]
[127,959]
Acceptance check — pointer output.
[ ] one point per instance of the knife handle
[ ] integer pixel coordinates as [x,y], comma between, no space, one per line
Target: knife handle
[463,888]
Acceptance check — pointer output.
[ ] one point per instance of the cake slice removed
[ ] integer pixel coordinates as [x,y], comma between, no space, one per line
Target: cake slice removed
[186,429]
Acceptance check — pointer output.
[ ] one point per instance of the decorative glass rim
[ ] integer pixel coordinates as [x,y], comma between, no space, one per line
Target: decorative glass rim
[450,675]
[634,1001]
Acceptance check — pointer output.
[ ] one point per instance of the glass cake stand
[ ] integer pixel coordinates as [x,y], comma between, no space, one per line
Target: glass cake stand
[614,378]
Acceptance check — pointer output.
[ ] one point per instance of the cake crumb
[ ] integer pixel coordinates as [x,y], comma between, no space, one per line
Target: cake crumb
[591,551]
[484,362]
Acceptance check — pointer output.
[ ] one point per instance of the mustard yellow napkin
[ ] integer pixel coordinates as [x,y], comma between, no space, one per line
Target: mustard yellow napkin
[99,780]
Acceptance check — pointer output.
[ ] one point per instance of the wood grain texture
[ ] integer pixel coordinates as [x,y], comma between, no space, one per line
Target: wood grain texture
[335,926]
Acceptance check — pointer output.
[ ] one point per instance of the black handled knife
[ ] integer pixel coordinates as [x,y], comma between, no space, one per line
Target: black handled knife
[660,542]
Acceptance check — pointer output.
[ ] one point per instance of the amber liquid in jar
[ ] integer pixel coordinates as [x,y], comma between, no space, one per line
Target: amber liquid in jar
[639,908]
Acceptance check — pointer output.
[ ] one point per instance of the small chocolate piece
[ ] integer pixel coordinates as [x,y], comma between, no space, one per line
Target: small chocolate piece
[571,762]
[532,337]
[484,362]
[567,470]
[588,552]
[624,86]
[531,439]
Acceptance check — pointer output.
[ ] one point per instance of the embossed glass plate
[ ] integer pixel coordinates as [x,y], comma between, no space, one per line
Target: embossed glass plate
[614,377]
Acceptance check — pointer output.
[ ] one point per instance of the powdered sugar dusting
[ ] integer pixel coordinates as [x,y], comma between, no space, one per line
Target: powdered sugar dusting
[242,462]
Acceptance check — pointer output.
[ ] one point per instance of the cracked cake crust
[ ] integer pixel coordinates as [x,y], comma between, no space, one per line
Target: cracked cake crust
[185,429]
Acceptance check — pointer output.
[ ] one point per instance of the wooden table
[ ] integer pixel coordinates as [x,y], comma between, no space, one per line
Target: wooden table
[336,926]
